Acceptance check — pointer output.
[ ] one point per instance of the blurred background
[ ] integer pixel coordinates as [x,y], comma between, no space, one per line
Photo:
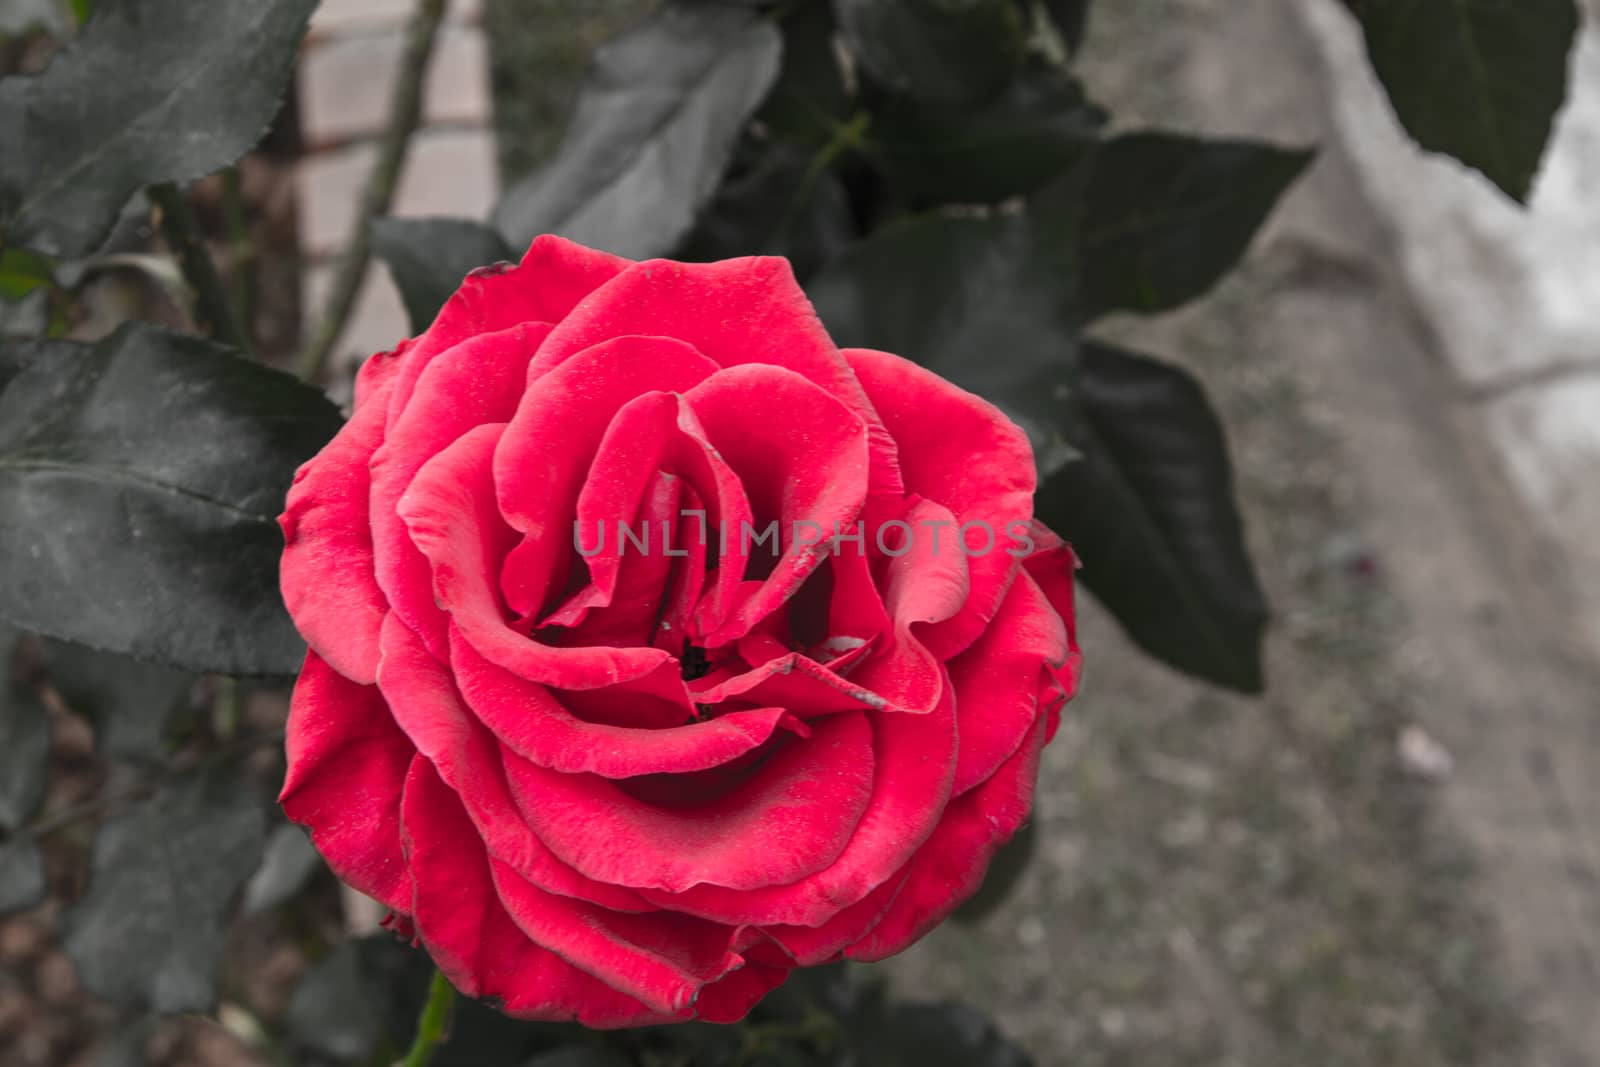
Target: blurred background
[1393,857]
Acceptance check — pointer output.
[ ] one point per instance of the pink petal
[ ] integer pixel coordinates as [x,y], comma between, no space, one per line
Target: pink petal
[915,763]
[962,452]
[327,572]
[542,460]
[479,381]
[450,514]
[530,721]
[790,818]
[737,311]
[461,921]
[950,867]
[347,767]
[997,681]
[812,945]
[428,708]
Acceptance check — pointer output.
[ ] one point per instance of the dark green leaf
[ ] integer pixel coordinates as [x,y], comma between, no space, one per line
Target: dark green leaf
[809,99]
[24,742]
[777,207]
[986,302]
[944,1034]
[287,864]
[131,704]
[1165,216]
[1005,871]
[430,257]
[1041,125]
[140,483]
[22,272]
[1150,511]
[944,51]
[22,882]
[1071,18]
[1479,80]
[150,930]
[149,91]
[654,129]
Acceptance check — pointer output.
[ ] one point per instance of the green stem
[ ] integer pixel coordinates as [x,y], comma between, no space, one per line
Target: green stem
[432,1023]
[405,113]
[847,136]
[241,245]
[212,306]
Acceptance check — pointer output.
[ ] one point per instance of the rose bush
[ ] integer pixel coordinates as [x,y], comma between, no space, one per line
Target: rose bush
[626,785]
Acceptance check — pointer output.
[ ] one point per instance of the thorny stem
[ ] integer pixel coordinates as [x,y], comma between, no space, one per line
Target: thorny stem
[405,112]
[432,1023]
[212,306]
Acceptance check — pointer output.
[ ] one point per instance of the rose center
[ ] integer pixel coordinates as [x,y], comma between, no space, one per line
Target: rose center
[696,664]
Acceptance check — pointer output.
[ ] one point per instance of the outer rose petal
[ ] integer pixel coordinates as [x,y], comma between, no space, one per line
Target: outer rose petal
[428,708]
[552,278]
[1052,567]
[470,935]
[949,868]
[997,681]
[477,382]
[327,569]
[940,430]
[737,311]
[347,766]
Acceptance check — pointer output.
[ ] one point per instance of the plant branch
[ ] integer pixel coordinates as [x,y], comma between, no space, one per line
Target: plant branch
[405,113]
[212,306]
[432,1023]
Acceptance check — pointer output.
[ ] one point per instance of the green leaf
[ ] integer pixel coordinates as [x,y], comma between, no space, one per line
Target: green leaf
[131,704]
[1165,216]
[1040,126]
[654,129]
[24,742]
[1480,80]
[429,258]
[140,483]
[22,883]
[21,272]
[287,864]
[941,51]
[777,206]
[1150,511]
[337,1010]
[986,302]
[149,91]
[809,99]
[18,17]
[1071,18]
[150,931]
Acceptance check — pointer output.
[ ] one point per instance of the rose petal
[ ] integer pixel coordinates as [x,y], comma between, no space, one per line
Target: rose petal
[472,938]
[802,457]
[660,958]
[479,381]
[812,945]
[915,763]
[327,571]
[1052,566]
[737,311]
[801,804]
[940,429]
[997,681]
[530,721]
[950,867]
[347,766]
[450,513]
[552,278]
[540,466]
[430,711]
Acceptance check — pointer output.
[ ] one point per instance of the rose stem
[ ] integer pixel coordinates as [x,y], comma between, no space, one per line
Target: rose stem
[431,1024]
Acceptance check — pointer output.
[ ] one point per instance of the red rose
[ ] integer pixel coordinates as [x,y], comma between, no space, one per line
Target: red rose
[634,780]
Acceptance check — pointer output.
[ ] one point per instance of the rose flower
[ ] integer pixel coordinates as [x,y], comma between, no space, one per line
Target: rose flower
[659,647]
